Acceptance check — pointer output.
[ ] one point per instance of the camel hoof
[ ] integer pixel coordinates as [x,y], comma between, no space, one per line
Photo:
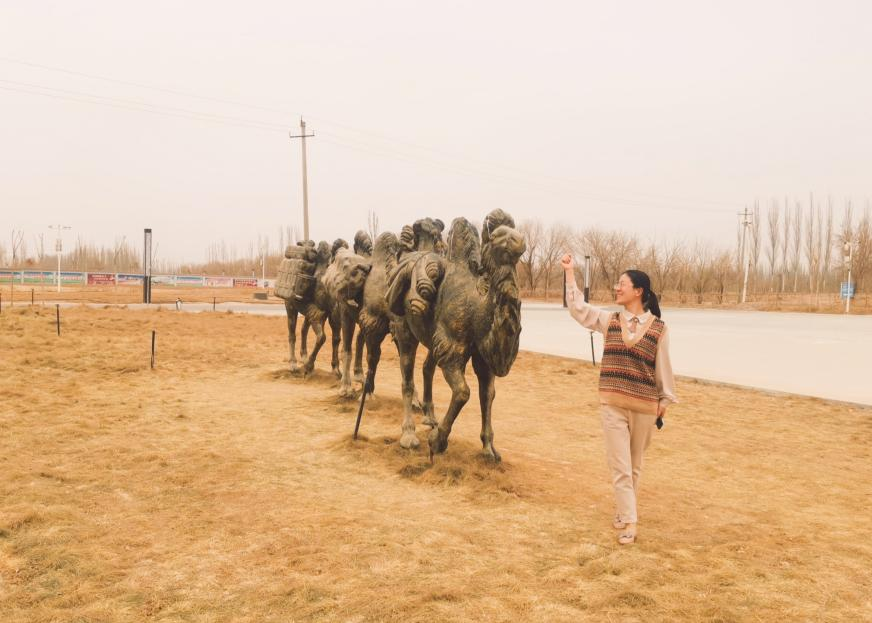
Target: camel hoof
[409,441]
[347,393]
[358,377]
[337,373]
[295,368]
[438,443]
[492,456]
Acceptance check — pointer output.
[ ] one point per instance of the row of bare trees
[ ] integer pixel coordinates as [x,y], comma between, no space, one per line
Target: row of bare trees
[258,257]
[794,249]
[790,248]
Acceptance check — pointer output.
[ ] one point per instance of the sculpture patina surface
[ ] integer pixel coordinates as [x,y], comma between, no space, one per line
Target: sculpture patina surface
[376,318]
[337,298]
[320,257]
[463,306]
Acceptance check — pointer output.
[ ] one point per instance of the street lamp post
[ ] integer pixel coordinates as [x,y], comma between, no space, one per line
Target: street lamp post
[59,247]
[848,253]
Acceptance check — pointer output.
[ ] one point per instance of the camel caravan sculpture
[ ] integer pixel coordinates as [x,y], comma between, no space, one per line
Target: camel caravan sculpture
[460,300]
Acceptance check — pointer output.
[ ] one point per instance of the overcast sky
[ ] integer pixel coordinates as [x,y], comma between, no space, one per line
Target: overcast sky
[661,118]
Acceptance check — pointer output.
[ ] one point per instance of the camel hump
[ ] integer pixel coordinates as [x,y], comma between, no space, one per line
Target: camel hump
[463,245]
[363,243]
[398,284]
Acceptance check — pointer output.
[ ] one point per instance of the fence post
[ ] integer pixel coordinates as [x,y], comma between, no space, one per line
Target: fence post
[152,348]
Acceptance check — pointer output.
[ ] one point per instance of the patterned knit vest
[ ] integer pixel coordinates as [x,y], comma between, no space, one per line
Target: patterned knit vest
[627,372]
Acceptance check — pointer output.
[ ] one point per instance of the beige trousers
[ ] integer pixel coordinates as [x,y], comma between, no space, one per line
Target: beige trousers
[627,435]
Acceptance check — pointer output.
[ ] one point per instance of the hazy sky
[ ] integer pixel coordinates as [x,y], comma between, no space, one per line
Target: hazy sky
[663,118]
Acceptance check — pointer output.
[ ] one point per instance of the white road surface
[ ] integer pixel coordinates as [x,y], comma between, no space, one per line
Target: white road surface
[824,355]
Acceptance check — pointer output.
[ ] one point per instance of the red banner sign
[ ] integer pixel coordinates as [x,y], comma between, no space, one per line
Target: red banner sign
[101,279]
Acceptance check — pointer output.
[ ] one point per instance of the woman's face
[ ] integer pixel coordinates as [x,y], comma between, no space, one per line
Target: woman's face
[625,293]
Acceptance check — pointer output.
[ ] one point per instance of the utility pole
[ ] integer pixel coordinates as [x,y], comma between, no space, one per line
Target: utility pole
[302,135]
[746,221]
[59,247]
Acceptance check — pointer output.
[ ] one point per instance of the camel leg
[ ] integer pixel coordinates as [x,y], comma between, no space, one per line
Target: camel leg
[320,338]
[303,332]
[358,356]
[374,341]
[407,366]
[454,376]
[346,389]
[427,407]
[292,336]
[336,338]
[402,335]
[486,392]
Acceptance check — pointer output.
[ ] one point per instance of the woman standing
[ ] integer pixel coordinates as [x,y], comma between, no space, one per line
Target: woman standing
[636,384]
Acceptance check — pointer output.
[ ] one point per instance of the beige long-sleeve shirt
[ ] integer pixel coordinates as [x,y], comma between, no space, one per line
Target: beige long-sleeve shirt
[597,319]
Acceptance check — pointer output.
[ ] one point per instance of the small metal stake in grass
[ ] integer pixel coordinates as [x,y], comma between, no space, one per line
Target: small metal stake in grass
[213,303]
[31,297]
[58,317]
[370,379]
[152,348]
[592,353]
[1,302]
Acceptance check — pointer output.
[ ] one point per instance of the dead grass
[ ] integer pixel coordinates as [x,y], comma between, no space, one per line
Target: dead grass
[126,294]
[219,488]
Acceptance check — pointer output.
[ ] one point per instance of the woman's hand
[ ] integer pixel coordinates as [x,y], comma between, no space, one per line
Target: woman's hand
[566,263]
[661,410]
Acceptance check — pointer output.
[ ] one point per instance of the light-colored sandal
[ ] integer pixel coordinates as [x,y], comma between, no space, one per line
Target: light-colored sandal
[618,523]
[627,538]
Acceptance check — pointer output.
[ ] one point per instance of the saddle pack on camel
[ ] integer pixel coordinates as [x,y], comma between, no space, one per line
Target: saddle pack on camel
[296,278]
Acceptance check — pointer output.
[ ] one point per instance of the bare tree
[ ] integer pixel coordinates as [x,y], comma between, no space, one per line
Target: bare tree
[662,261]
[797,244]
[785,243]
[756,245]
[722,269]
[17,241]
[812,247]
[554,243]
[772,249]
[532,232]
[826,251]
[372,225]
[862,255]
[701,260]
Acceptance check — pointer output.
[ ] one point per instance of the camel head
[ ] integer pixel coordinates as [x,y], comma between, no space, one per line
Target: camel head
[502,244]
[352,271]
[507,245]
[363,243]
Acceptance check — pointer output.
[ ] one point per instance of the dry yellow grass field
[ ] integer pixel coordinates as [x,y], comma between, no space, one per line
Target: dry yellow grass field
[126,294]
[217,487]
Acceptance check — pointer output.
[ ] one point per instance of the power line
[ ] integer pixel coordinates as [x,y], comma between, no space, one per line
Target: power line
[642,197]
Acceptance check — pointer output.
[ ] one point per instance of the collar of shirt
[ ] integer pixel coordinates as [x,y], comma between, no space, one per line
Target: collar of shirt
[643,318]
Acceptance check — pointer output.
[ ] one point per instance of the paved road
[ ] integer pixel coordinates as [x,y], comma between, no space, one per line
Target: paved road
[823,355]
